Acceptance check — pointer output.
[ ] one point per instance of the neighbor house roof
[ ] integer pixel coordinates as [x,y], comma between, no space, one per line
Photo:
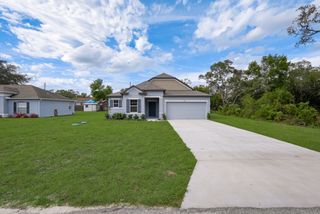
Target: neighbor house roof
[30,92]
[167,83]
[90,102]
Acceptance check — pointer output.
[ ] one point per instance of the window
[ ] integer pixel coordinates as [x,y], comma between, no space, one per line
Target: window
[115,103]
[133,105]
[86,106]
[22,108]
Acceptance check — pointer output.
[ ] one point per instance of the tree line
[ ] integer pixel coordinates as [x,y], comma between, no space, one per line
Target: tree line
[274,89]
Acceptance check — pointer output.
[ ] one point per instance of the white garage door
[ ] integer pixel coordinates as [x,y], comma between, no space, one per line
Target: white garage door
[186,110]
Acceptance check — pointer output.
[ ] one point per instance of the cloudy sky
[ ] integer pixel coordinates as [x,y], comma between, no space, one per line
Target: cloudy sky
[68,44]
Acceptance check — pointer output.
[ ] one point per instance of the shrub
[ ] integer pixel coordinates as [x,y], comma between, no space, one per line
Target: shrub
[130,116]
[33,115]
[107,115]
[24,116]
[136,117]
[164,116]
[232,109]
[143,117]
[249,106]
[307,113]
[208,116]
[0,116]
[119,116]
[10,116]
[290,109]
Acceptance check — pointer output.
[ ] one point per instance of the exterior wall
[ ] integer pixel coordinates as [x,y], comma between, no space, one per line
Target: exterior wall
[34,106]
[113,110]
[133,93]
[187,99]
[47,108]
[91,107]
[3,105]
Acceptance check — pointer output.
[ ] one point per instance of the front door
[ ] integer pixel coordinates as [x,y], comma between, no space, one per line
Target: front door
[152,109]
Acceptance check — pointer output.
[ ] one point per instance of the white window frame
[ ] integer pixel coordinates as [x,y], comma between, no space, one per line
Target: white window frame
[130,105]
[118,103]
[18,107]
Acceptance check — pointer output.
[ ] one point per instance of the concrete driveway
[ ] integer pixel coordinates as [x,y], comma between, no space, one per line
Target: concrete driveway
[238,168]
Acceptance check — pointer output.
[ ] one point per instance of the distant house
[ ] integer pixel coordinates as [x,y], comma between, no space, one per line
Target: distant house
[28,99]
[161,95]
[80,103]
[90,105]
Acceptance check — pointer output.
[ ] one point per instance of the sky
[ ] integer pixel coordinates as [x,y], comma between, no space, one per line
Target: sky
[68,44]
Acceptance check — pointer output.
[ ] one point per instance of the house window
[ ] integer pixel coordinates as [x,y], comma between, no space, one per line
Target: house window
[133,106]
[86,106]
[115,103]
[22,107]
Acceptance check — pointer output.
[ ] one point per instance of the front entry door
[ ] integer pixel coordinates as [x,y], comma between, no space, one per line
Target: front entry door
[152,109]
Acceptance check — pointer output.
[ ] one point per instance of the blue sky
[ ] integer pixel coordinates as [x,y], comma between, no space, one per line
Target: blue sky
[68,44]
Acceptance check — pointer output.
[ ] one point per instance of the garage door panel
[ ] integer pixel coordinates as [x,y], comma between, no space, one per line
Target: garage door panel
[186,110]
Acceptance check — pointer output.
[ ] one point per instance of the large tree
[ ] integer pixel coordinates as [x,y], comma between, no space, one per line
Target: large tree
[225,80]
[68,93]
[100,91]
[306,25]
[9,74]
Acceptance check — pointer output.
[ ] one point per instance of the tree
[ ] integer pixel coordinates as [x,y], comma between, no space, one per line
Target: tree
[202,88]
[83,95]
[225,80]
[100,91]
[9,74]
[306,25]
[304,83]
[68,93]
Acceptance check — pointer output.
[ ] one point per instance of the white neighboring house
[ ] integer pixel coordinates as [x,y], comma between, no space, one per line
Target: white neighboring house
[28,99]
[159,96]
[90,105]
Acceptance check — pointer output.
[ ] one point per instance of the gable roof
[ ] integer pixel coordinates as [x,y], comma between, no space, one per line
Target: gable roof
[30,92]
[164,82]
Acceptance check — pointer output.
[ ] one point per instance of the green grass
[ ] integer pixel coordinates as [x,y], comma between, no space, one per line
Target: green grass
[302,136]
[46,161]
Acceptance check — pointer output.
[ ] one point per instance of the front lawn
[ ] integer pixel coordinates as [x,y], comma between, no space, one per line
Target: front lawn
[302,136]
[46,161]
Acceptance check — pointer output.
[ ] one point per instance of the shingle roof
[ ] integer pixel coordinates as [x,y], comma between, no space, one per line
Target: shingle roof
[117,94]
[186,93]
[165,82]
[30,92]
[145,86]
[163,76]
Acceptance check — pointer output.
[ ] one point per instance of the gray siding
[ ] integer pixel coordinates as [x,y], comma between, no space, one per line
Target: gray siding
[47,108]
[33,106]
[3,105]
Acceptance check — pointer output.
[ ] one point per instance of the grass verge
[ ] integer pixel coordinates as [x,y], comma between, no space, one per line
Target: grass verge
[302,136]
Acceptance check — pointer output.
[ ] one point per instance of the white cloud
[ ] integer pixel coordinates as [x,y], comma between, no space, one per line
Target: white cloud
[142,44]
[4,56]
[193,77]
[229,23]
[40,67]
[77,31]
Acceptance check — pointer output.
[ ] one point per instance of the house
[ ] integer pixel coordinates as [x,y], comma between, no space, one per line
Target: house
[159,96]
[29,99]
[90,105]
[79,105]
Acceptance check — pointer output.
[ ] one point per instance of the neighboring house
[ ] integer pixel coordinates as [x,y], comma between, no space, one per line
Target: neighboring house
[29,99]
[161,95]
[80,103]
[90,105]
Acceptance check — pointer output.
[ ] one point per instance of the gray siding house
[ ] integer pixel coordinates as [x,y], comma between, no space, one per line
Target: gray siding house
[29,99]
[161,95]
